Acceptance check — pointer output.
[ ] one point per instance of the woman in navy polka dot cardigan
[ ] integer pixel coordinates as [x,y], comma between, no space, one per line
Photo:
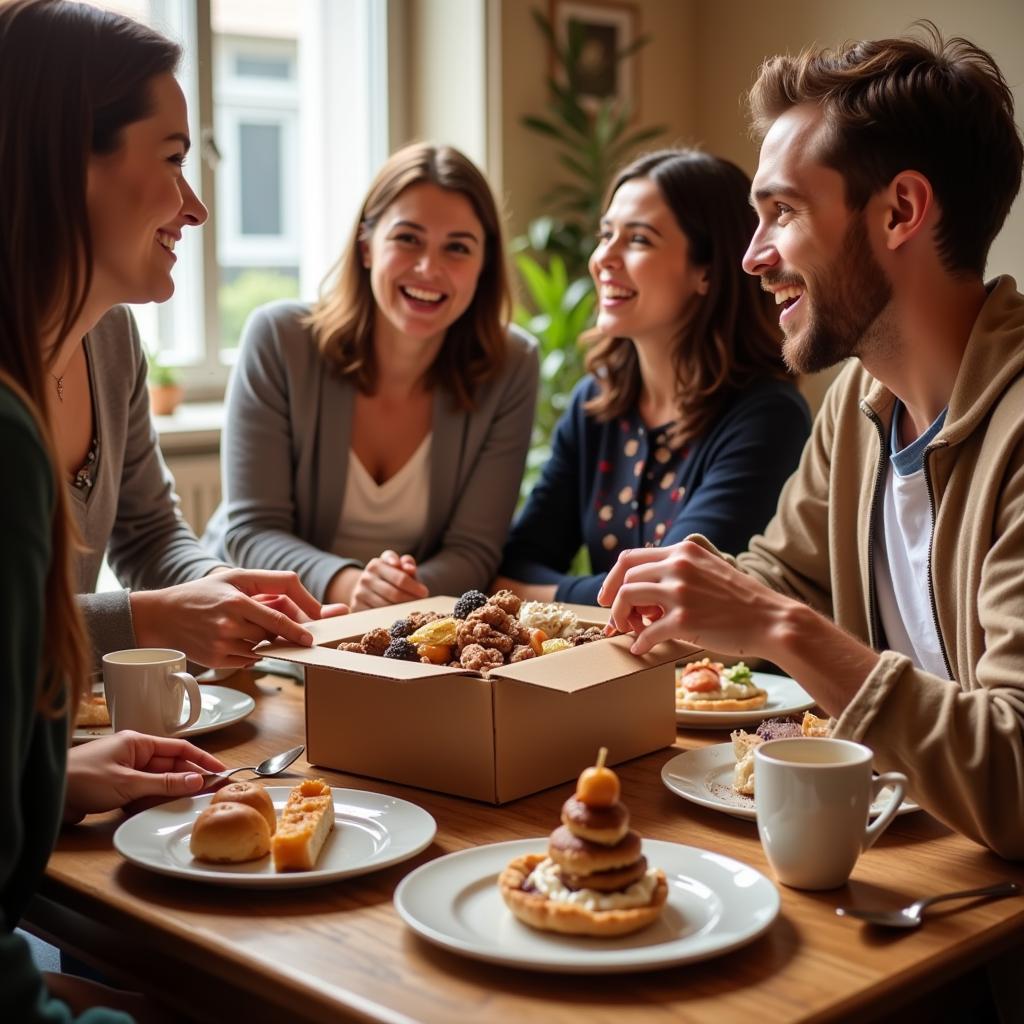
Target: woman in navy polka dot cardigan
[687,421]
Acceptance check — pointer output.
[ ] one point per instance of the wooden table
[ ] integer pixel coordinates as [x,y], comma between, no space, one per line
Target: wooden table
[340,952]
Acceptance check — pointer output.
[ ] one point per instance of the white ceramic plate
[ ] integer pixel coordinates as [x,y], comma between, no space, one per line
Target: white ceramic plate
[704,776]
[221,706]
[371,831]
[785,697]
[715,904]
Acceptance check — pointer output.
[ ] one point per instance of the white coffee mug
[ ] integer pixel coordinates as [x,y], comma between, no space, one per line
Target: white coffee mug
[813,798]
[146,691]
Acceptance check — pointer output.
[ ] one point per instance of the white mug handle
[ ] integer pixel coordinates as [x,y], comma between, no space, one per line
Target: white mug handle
[195,701]
[898,781]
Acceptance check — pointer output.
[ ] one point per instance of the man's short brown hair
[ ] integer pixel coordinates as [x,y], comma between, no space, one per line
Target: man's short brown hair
[939,107]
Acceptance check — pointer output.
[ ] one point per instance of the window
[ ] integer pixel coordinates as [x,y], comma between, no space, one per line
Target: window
[257,106]
[280,160]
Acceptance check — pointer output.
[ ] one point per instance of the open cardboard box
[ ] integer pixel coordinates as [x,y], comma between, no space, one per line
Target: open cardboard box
[520,729]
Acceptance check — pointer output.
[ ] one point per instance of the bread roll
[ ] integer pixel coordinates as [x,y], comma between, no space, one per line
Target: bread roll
[230,833]
[253,794]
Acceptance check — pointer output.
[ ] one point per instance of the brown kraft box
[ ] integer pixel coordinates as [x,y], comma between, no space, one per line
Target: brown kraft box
[520,729]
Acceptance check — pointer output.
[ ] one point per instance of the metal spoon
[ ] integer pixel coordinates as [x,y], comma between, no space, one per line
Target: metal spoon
[910,917]
[271,766]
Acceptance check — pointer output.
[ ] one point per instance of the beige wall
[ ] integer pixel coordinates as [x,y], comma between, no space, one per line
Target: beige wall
[446,101]
[666,92]
[733,37]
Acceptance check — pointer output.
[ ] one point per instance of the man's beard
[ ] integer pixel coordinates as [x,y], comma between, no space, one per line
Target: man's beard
[850,294]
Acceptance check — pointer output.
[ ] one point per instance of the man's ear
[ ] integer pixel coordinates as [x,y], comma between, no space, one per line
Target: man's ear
[909,202]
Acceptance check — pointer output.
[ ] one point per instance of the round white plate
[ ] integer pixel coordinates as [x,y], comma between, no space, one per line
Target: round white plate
[371,831]
[785,697]
[715,904]
[221,706]
[704,776]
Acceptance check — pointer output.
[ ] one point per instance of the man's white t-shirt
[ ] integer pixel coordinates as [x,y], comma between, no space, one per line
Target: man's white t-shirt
[901,550]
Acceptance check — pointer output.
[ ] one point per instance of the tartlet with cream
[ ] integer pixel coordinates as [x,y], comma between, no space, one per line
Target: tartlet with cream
[708,685]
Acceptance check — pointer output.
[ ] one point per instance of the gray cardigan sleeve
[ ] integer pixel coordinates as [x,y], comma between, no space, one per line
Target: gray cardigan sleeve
[270,389]
[479,519]
[150,546]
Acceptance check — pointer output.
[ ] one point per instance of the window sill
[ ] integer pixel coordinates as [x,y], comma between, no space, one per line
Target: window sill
[194,427]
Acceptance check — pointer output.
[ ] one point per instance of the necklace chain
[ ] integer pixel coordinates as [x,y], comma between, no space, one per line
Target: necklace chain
[59,381]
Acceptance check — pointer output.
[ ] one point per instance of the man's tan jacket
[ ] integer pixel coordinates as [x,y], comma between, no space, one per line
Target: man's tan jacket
[960,743]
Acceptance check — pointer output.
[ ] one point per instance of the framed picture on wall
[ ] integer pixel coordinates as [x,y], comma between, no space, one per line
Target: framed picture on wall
[605,30]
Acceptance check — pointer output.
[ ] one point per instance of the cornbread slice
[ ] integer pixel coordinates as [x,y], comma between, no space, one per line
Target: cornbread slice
[305,823]
[92,712]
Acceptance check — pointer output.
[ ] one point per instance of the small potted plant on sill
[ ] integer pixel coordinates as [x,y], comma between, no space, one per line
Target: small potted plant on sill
[165,391]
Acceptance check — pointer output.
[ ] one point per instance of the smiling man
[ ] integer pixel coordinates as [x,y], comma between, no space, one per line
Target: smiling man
[889,582]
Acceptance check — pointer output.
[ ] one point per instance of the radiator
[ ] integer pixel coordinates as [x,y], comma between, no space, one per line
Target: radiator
[197,481]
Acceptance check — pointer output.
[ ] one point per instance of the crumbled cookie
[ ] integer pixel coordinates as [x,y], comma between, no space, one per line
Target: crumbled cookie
[522,653]
[419,619]
[479,659]
[586,636]
[376,641]
[474,631]
[495,617]
[506,601]
[353,648]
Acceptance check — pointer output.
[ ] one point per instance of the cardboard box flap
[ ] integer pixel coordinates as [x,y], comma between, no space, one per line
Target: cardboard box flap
[363,664]
[592,664]
[355,624]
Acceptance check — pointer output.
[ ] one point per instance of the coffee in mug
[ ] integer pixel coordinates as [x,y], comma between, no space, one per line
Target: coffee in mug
[813,798]
[146,691]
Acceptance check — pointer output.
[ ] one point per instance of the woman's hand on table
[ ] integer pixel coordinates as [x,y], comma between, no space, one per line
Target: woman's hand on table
[217,620]
[388,579]
[112,771]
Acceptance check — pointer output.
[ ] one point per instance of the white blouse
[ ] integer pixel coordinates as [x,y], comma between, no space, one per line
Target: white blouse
[393,514]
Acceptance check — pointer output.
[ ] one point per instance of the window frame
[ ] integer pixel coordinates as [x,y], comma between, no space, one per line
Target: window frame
[361,32]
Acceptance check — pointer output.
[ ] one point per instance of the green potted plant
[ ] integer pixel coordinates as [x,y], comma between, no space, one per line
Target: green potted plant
[165,391]
[593,142]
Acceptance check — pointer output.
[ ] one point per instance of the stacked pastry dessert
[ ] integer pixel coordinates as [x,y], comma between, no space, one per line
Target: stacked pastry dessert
[594,879]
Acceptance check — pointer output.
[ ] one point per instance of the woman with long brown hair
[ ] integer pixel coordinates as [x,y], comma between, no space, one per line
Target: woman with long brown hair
[375,443]
[686,421]
[93,131]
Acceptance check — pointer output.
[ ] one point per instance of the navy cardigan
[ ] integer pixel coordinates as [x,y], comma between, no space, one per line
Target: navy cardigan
[616,485]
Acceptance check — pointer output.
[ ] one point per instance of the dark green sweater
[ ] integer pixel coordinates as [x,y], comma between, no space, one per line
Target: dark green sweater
[33,749]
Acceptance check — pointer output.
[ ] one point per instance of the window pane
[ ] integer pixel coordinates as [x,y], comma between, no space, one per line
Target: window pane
[259,152]
[250,66]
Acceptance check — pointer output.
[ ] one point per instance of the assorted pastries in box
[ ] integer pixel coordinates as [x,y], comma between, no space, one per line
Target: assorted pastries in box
[481,633]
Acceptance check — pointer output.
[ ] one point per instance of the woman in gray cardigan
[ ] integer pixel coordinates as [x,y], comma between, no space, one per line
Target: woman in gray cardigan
[375,444]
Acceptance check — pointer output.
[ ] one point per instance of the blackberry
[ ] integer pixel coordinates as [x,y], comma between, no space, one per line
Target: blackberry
[469,602]
[402,650]
[401,628]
